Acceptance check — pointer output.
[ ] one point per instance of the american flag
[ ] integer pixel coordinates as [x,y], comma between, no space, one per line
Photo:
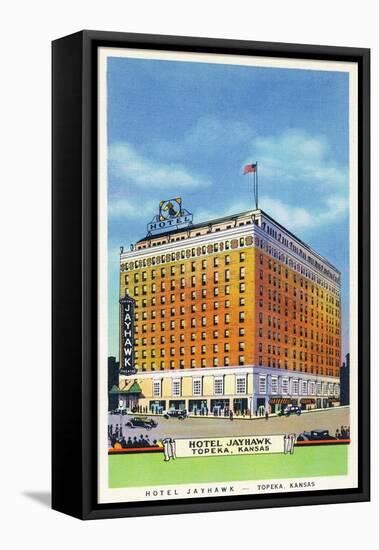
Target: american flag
[250,168]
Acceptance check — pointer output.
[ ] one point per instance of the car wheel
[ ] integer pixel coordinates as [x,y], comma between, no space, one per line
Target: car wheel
[148,427]
[298,413]
[128,425]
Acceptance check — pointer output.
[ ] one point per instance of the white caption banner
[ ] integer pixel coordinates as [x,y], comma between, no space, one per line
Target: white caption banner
[228,446]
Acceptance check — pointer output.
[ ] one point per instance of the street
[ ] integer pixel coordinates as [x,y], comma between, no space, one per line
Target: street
[329,419]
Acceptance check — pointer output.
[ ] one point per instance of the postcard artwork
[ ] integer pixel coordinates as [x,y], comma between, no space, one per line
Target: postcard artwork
[227,275]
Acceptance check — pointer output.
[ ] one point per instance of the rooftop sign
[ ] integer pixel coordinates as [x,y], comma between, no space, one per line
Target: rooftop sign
[171,216]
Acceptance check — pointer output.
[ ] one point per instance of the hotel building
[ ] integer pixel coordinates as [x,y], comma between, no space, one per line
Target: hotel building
[235,313]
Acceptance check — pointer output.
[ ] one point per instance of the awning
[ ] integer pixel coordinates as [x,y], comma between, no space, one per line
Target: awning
[307,401]
[280,401]
[135,388]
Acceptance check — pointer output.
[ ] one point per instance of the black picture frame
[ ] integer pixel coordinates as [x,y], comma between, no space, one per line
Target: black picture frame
[74,333]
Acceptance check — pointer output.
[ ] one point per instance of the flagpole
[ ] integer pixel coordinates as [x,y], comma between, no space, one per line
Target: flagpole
[256,185]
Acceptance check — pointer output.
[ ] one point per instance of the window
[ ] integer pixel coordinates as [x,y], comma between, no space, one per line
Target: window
[274,384]
[295,387]
[304,387]
[157,384]
[240,384]
[176,387]
[262,384]
[196,386]
[285,386]
[242,272]
[219,385]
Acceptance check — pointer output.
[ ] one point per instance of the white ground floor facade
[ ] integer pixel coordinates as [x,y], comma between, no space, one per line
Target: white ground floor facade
[247,390]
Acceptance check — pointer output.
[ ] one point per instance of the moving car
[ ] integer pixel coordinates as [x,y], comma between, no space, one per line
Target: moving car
[176,413]
[318,434]
[291,409]
[141,422]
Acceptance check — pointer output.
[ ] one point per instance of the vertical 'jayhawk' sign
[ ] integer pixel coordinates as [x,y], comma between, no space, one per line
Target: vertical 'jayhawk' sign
[127,305]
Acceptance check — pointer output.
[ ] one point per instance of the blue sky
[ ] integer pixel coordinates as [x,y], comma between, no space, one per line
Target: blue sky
[187,129]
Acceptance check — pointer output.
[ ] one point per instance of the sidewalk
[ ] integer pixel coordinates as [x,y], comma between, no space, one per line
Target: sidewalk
[235,417]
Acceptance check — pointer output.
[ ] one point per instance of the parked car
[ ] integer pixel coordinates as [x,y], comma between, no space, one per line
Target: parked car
[291,409]
[176,413]
[119,411]
[319,434]
[141,422]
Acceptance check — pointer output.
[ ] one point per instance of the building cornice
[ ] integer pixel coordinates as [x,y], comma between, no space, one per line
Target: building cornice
[237,370]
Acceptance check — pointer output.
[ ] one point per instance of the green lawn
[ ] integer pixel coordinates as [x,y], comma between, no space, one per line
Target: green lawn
[146,470]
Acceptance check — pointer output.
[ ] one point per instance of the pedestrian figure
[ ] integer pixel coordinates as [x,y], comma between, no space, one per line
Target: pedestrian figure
[266,415]
[231,415]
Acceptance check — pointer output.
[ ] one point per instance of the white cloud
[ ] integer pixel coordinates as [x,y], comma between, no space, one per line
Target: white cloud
[127,164]
[211,133]
[207,137]
[227,210]
[128,208]
[297,157]
[300,218]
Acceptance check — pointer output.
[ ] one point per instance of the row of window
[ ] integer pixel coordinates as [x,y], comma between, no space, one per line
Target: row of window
[267,385]
[181,338]
[182,268]
[299,251]
[144,291]
[197,386]
[183,311]
[274,350]
[193,322]
[187,253]
[316,367]
[204,362]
